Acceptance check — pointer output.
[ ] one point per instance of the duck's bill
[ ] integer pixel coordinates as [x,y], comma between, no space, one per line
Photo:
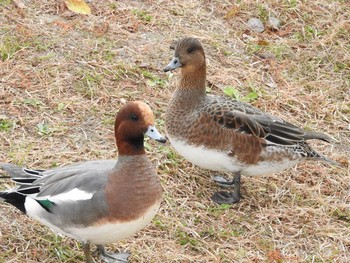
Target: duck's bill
[153,133]
[174,64]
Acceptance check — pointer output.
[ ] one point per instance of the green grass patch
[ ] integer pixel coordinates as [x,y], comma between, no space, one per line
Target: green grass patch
[158,223]
[42,44]
[33,102]
[153,80]
[108,120]
[43,129]
[48,56]
[89,81]
[280,52]
[9,46]
[235,94]
[340,66]
[60,107]
[142,15]
[123,71]
[343,215]
[104,48]
[6,125]
[184,238]
[308,33]
[4,3]
[291,3]
[263,13]
[61,250]
[218,210]
[229,231]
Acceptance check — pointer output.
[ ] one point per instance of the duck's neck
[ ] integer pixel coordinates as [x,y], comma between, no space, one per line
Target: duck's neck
[193,80]
[133,160]
[131,147]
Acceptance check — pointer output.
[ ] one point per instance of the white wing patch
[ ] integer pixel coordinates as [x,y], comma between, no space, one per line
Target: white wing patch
[70,196]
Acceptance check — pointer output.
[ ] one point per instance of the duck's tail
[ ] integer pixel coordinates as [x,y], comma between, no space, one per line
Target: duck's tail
[311,154]
[325,159]
[14,198]
[311,135]
[21,176]
[24,179]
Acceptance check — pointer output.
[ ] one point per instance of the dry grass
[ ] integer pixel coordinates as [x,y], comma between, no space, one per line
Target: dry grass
[70,74]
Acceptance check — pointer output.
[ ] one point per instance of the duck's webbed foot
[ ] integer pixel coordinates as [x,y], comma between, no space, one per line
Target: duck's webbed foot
[112,257]
[223,197]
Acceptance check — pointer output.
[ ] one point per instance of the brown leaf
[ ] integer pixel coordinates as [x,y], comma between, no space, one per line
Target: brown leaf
[78,6]
[275,256]
[233,12]
[263,43]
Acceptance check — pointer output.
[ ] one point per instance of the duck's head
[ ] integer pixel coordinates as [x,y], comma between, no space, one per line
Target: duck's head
[189,55]
[133,121]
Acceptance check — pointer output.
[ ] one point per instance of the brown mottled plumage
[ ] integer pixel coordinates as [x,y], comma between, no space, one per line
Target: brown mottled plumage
[223,134]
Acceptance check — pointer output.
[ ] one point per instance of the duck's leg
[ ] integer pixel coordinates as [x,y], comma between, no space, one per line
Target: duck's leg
[223,197]
[220,180]
[86,248]
[112,257]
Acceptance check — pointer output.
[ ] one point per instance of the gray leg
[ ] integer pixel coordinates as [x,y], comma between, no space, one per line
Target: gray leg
[112,257]
[86,248]
[220,180]
[223,197]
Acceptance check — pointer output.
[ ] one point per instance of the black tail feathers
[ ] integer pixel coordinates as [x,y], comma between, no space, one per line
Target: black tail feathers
[15,199]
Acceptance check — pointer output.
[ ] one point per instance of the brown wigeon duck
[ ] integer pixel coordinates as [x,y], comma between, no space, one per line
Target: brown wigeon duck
[100,201]
[226,135]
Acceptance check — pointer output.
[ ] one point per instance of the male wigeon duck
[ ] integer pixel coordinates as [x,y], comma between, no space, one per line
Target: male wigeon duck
[100,201]
[222,134]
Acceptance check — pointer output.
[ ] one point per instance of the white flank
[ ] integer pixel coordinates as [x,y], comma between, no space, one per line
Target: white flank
[206,158]
[72,195]
[36,211]
[99,234]
[113,232]
[263,168]
[220,161]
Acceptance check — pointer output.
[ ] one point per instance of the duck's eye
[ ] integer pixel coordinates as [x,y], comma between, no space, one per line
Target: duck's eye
[190,50]
[134,117]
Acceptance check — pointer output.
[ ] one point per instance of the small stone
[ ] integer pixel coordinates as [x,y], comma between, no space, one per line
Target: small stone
[274,23]
[256,25]
[47,19]
[266,55]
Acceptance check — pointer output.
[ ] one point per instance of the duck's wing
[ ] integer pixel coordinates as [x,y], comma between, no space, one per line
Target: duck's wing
[244,118]
[58,180]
